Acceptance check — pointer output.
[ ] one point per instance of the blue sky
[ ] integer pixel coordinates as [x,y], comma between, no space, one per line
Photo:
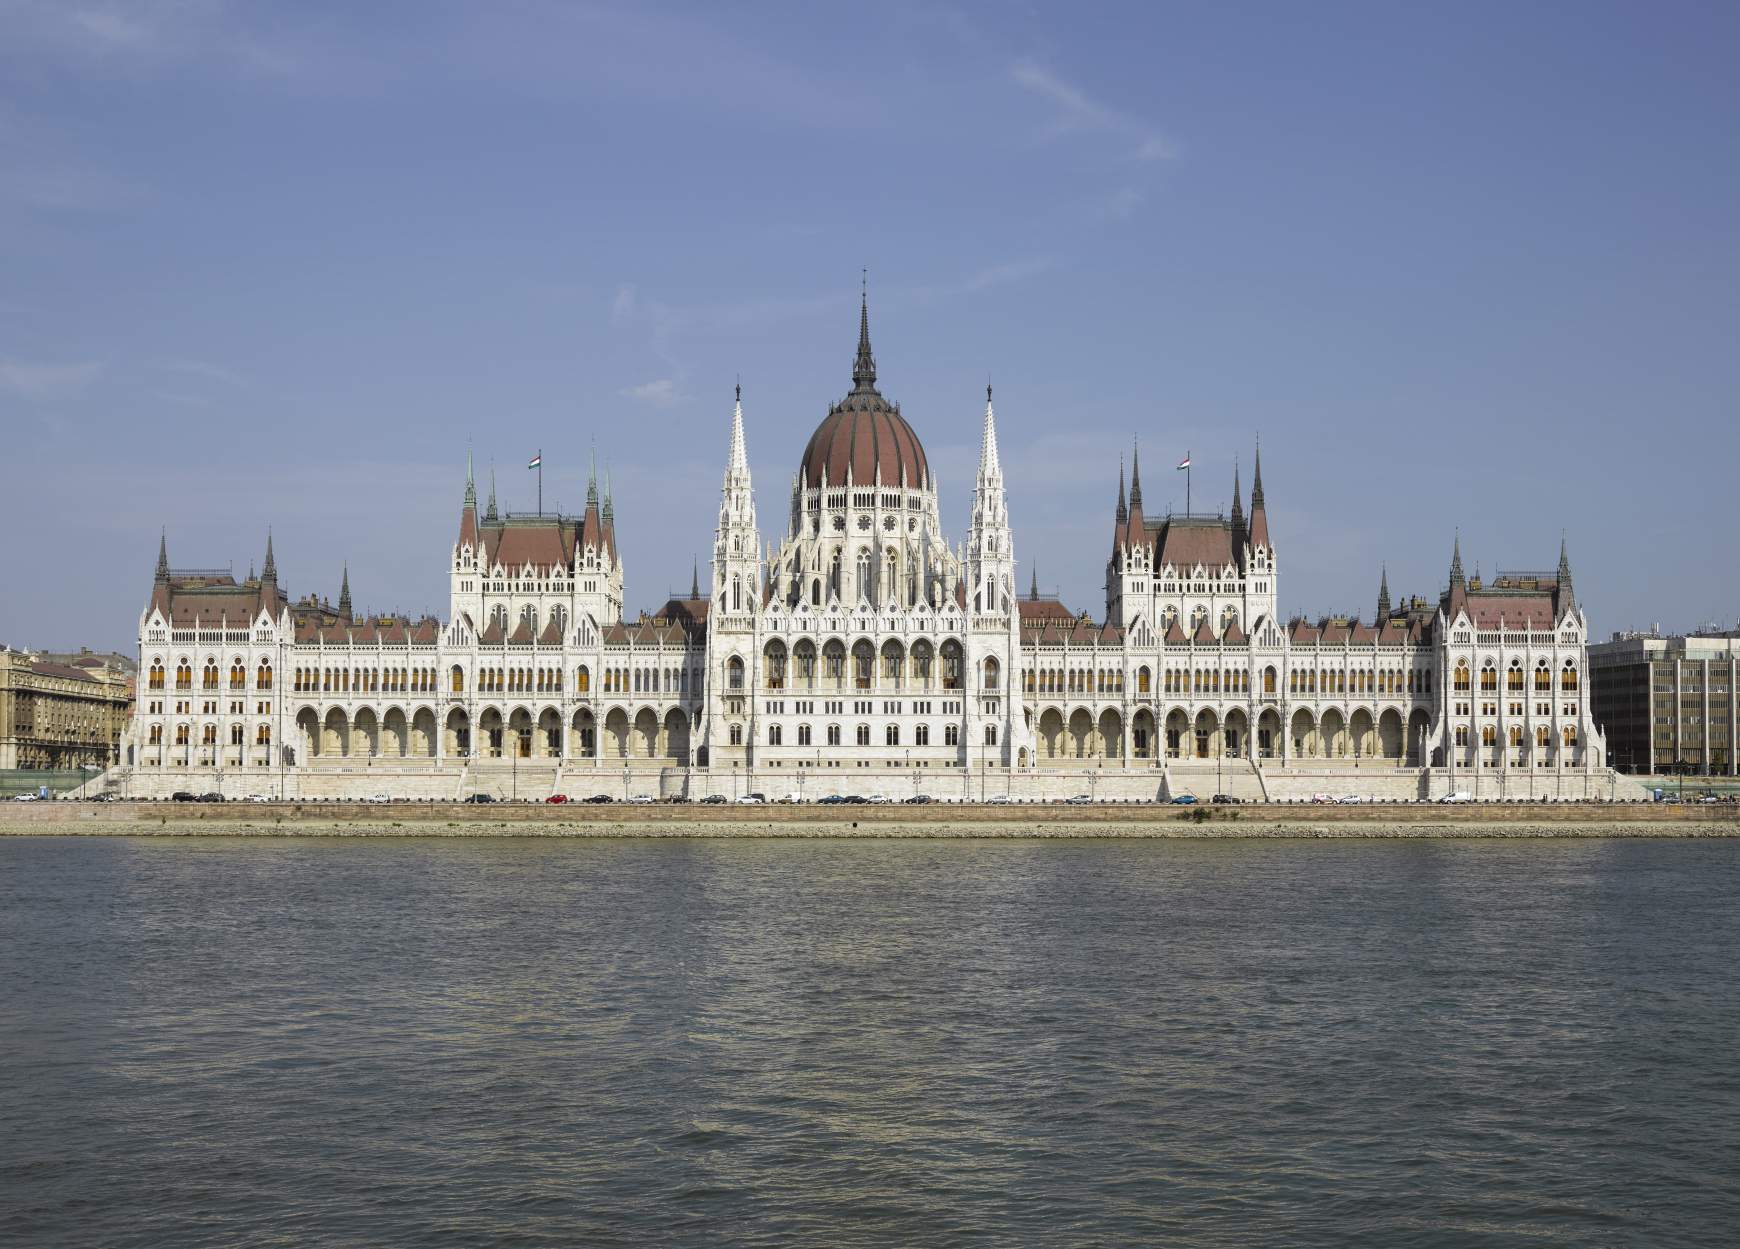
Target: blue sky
[1474,267]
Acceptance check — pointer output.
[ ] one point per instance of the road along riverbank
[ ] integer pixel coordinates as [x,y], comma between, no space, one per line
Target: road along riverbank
[952,820]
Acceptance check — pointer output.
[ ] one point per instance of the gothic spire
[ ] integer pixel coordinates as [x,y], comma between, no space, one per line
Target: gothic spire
[1238,506]
[270,571]
[989,464]
[739,462]
[1123,512]
[592,479]
[1566,595]
[1033,590]
[163,556]
[864,367]
[1457,579]
[1383,606]
[489,513]
[609,497]
[1257,480]
[1259,523]
[695,579]
[1135,474]
[344,593]
[470,481]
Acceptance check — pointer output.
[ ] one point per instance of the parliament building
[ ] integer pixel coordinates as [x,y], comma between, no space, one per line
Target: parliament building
[863,653]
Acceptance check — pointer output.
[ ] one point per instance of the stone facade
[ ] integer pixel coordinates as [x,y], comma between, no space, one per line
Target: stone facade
[862,653]
[56,714]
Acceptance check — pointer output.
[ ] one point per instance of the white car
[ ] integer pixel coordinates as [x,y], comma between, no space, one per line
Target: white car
[258,798]
[998,800]
[1460,795]
[639,800]
[877,798]
[25,798]
[1346,798]
[377,798]
[751,800]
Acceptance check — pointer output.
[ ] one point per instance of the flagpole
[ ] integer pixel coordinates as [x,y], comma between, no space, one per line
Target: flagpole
[1187,483]
[540,481]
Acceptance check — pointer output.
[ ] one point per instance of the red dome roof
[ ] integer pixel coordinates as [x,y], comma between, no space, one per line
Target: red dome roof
[863,434]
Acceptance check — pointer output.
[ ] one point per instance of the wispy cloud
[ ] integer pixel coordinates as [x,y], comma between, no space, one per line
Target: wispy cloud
[202,369]
[1078,113]
[622,307]
[661,393]
[1120,205]
[985,279]
[47,381]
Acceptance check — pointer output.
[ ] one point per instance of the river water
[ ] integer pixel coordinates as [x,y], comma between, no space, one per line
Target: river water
[841,1043]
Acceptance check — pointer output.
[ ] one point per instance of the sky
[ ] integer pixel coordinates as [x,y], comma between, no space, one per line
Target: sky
[1462,269]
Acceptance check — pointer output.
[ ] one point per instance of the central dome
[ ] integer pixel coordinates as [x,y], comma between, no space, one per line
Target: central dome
[864,434]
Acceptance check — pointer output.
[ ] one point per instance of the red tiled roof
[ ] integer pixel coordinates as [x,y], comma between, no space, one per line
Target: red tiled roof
[868,437]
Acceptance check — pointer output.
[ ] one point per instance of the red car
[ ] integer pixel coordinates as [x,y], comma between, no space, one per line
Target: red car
[557,798]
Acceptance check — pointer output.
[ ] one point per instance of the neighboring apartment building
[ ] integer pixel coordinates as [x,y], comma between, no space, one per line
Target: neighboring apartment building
[61,715]
[1667,704]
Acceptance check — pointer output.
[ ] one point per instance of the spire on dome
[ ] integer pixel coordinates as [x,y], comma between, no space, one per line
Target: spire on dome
[163,556]
[344,593]
[1383,606]
[864,367]
[1135,474]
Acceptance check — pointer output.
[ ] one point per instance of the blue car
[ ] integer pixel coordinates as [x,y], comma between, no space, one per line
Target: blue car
[1184,800]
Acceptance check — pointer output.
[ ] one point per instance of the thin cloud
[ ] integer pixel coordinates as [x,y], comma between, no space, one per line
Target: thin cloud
[622,307]
[1078,113]
[47,381]
[985,279]
[202,369]
[661,393]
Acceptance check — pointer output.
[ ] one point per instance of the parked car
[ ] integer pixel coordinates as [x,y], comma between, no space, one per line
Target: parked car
[832,800]
[1460,795]
[751,800]
[1349,798]
[996,800]
[377,798]
[876,798]
[211,796]
[481,798]
[601,798]
[1184,800]
[259,798]
[923,798]
[555,799]
[1078,800]
[856,800]
[1224,799]
[678,798]
[180,795]
[30,798]
[1321,798]
[714,800]
[639,800]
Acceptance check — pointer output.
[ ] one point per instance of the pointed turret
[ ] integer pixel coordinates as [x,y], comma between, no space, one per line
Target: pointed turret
[608,516]
[1457,579]
[1135,476]
[1383,603]
[695,579]
[1567,596]
[344,593]
[1033,590]
[738,460]
[163,557]
[470,482]
[1259,513]
[468,509]
[489,513]
[269,573]
[989,463]
[1238,508]
[1123,511]
[990,545]
[864,367]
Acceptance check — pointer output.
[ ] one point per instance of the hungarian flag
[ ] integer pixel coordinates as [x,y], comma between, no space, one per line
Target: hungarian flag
[1185,462]
[536,460]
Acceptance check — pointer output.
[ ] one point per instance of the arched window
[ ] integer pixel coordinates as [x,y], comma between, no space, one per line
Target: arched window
[529,620]
[990,735]
[774,736]
[1461,678]
[1570,735]
[1543,678]
[803,735]
[951,665]
[210,675]
[991,671]
[156,674]
[1513,679]
[734,673]
[891,735]
[951,735]
[1568,679]
[263,677]
[737,735]
[863,665]
[773,665]
[1488,735]
[1543,736]
[583,679]
[1488,679]
[1143,679]
[458,676]
[833,735]
[863,734]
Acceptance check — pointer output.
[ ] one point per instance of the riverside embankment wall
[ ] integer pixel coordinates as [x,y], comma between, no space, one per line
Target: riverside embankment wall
[936,820]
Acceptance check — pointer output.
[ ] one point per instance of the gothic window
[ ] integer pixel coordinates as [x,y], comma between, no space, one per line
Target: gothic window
[1488,735]
[834,662]
[805,654]
[991,671]
[921,735]
[734,673]
[1488,679]
[263,677]
[774,736]
[559,617]
[951,665]
[863,734]
[1543,678]
[1143,678]
[833,735]
[951,735]
[1570,735]
[773,664]
[803,735]
[891,735]
[1568,680]
[737,735]
[1461,679]
[1513,680]
[990,735]
[921,661]
[458,679]
[1268,680]
[863,665]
